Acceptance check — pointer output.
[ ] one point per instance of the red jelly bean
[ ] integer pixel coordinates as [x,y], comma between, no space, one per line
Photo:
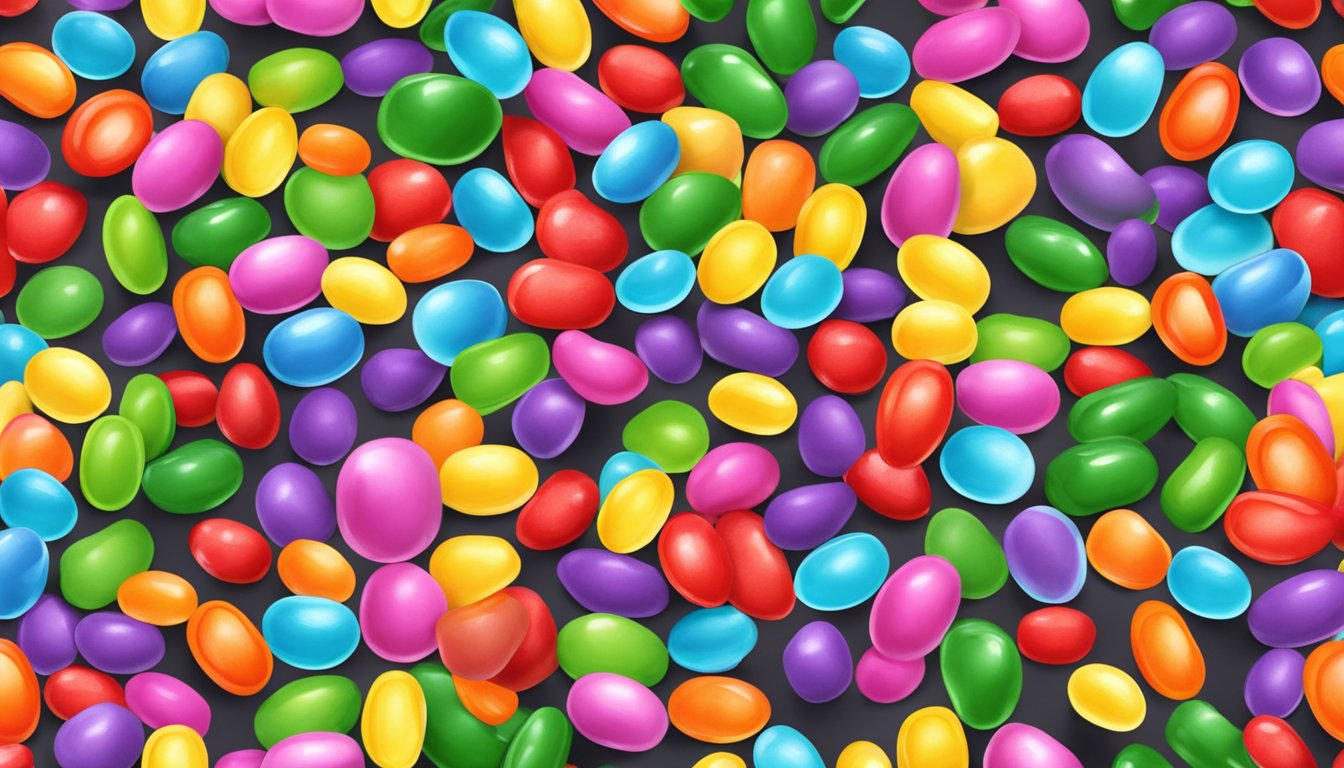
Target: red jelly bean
[247,408]
[846,357]
[1290,14]
[695,560]
[1311,222]
[1056,635]
[14,755]
[914,412]
[105,134]
[477,641]
[560,295]
[9,269]
[535,659]
[1278,528]
[572,228]
[762,584]
[194,397]
[559,512]
[1040,105]
[537,160]
[9,8]
[229,550]
[74,689]
[640,79]
[1092,368]
[44,221]
[407,194]
[901,493]
[1272,743]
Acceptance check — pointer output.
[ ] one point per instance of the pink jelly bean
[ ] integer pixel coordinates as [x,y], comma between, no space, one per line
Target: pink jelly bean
[913,610]
[177,166]
[243,758]
[1009,394]
[584,117]
[251,13]
[1017,745]
[1297,398]
[388,500]
[952,7]
[319,18]
[599,372]
[1052,30]
[616,712]
[315,750]
[923,195]
[732,476]
[967,45]
[885,680]
[279,274]
[398,609]
[159,700]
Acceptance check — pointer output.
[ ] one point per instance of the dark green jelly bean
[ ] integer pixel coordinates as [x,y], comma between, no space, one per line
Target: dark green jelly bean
[1208,409]
[327,703]
[840,11]
[1278,351]
[543,741]
[604,642]
[59,301]
[336,211]
[492,374]
[1055,255]
[213,235]
[1015,337]
[148,404]
[783,32]
[1100,475]
[731,80]
[867,144]
[686,211]
[194,477]
[454,738]
[431,27]
[1140,15]
[1199,734]
[133,245]
[439,119]
[1140,756]
[960,538]
[1198,491]
[111,462]
[982,671]
[672,433]
[1137,408]
[708,10]
[94,567]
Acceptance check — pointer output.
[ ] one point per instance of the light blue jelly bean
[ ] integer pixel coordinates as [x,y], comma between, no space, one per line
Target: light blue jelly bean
[1208,584]
[491,210]
[781,746]
[1331,330]
[23,570]
[93,46]
[1213,238]
[1317,308]
[987,464]
[656,282]
[457,315]
[842,572]
[487,49]
[173,72]
[1263,290]
[637,162]
[314,347]
[1123,89]
[620,466]
[712,640]
[802,292]
[878,60]
[1045,554]
[1251,176]
[31,498]
[310,632]
[17,347]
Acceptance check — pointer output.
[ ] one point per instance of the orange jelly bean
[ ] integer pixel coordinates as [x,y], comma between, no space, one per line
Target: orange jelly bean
[779,178]
[20,700]
[718,710]
[105,134]
[429,252]
[1188,319]
[1200,112]
[1332,72]
[1164,650]
[308,567]
[157,597]
[334,150]
[229,648]
[491,703]
[1284,455]
[447,427]
[1322,680]
[1126,550]
[209,317]
[29,441]
[658,21]
[35,80]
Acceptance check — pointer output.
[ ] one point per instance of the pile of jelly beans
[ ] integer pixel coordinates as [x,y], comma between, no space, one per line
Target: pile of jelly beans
[524,429]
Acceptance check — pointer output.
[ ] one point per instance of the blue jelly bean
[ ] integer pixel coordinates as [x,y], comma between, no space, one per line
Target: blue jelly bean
[314,347]
[1331,330]
[491,210]
[1213,238]
[310,632]
[17,347]
[842,572]
[1208,584]
[637,162]
[457,315]
[712,640]
[620,466]
[781,746]
[1251,176]
[1123,89]
[173,72]
[23,570]
[1045,554]
[93,46]
[987,464]
[1263,290]
[878,60]
[1317,309]
[802,292]
[656,282]
[31,498]
[487,49]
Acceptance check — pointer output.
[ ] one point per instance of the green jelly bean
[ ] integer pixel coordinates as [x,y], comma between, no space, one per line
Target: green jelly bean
[431,27]
[59,301]
[867,144]
[1278,351]
[960,538]
[111,462]
[1199,734]
[686,211]
[148,404]
[727,78]
[295,79]
[1198,491]
[1137,408]
[839,11]
[326,703]
[494,373]
[1205,408]
[134,246]
[543,741]
[213,235]
[1015,337]
[982,671]
[1140,756]
[454,738]
[708,10]
[336,211]
[193,478]
[671,433]
[783,32]
[1101,475]
[604,642]
[439,119]
[1140,15]
[93,567]
[1054,255]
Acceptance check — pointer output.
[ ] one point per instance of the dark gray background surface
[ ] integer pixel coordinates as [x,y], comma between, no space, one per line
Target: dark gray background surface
[1228,646]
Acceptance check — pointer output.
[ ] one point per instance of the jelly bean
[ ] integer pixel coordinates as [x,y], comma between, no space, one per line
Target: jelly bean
[987,464]
[1279,76]
[374,67]
[1054,254]
[319,21]
[157,597]
[487,479]
[636,162]
[490,210]
[278,275]
[322,426]
[878,60]
[935,330]
[1018,744]
[1050,31]
[1123,89]
[753,403]
[455,316]
[1199,115]
[1208,584]
[1010,394]
[988,37]
[335,750]
[175,745]
[533,286]
[1189,319]
[571,228]
[712,640]
[362,508]
[468,108]
[783,33]
[656,283]
[427,253]
[784,746]
[209,316]
[106,734]
[1251,176]
[25,570]
[14,402]
[819,97]
[695,560]
[394,718]
[174,71]
[488,50]
[857,754]
[960,538]
[309,567]
[161,701]
[710,141]
[728,79]
[1314,160]
[407,194]
[222,101]
[699,211]
[1272,740]
[112,460]
[1326,214]
[555,97]
[634,511]
[22,699]
[46,635]
[1180,192]
[846,357]
[314,347]
[1045,554]
[93,46]
[1296,398]
[177,166]
[599,372]
[997,182]
[1197,732]
[1166,653]
[44,221]
[538,163]
[1200,489]
[117,644]
[1078,166]
[640,79]
[1332,72]
[310,632]
[194,477]
[914,412]
[230,551]
[559,512]
[940,269]
[548,419]
[762,587]
[1106,316]
[558,34]
[471,568]
[1100,475]
[30,441]
[1263,290]
[830,436]
[75,688]
[33,499]
[546,732]
[535,659]
[1299,465]
[805,517]
[1107,697]
[982,671]
[59,301]
[334,150]
[817,663]
[1056,635]
[1040,105]
[670,432]
[801,293]
[1276,527]
[216,234]
[914,608]
[1192,34]
[248,411]
[93,567]
[364,289]
[318,703]
[67,385]
[1298,611]
[616,712]
[1131,251]
[26,160]
[134,245]
[605,642]
[742,339]
[842,573]
[777,183]
[929,735]
[36,81]
[1274,683]
[491,374]
[337,211]
[1136,408]
[261,152]
[922,196]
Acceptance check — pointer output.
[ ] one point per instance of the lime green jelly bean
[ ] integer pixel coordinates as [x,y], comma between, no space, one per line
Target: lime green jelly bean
[213,235]
[1278,351]
[1054,254]
[111,462]
[148,404]
[1198,491]
[1208,409]
[783,32]
[93,568]
[727,78]
[1137,408]
[328,703]
[604,642]
[439,119]
[671,433]
[867,144]
[134,247]
[492,374]
[193,478]
[336,211]
[543,741]
[960,538]
[1100,475]
[982,671]
[295,79]
[684,213]
[1014,337]
[1200,735]
[59,301]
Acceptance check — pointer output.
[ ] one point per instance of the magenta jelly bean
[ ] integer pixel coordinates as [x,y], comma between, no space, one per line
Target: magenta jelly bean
[250,13]
[547,418]
[732,476]
[914,608]
[319,18]
[922,196]
[742,339]
[1009,394]
[400,379]
[1193,33]
[885,680]
[46,634]
[1274,683]
[1279,76]
[178,165]
[279,274]
[870,295]
[160,700]
[818,663]
[966,45]
[1131,251]
[830,436]
[670,347]
[1017,745]
[599,372]
[1180,192]
[1095,183]
[388,500]
[315,750]
[820,96]
[292,504]
[118,644]
[323,426]
[1297,398]
[617,712]
[398,608]
[374,67]
[808,516]
[1052,30]
[952,7]
[140,335]
[607,582]
[585,118]
[242,758]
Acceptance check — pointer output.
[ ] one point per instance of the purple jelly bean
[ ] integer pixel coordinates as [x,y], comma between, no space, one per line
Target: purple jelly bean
[399,379]
[24,159]
[870,295]
[742,339]
[1300,610]
[830,436]
[118,644]
[102,6]
[885,680]
[1095,183]
[1274,683]
[605,582]
[1279,76]
[374,67]
[1193,33]
[46,634]
[1045,554]
[292,503]
[806,517]
[817,662]
[670,348]
[105,735]
[1131,251]
[547,418]
[160,700]
[323,427]
[1180,192]
[820,96]
[140,334]
[1318,156]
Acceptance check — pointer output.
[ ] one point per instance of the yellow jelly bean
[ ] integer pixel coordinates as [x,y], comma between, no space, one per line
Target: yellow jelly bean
[934,330]
[171,19]
[223,101]
[394,720]
[13,402]
[175,746]
[1107,697]
[364,289]
[932,737]
[831,224]
[711,142]
[952,115]
[308,567]
[471,568]
[488,479]
[1310,375]
[862,754]
[720,760]
[1106,317]
[67,385]
[35,80]
[937,268]
[997,182]
[261,152]
[635,510]
[736,262]
[1331,390]
[400,14]
[753,403]
[556,31]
